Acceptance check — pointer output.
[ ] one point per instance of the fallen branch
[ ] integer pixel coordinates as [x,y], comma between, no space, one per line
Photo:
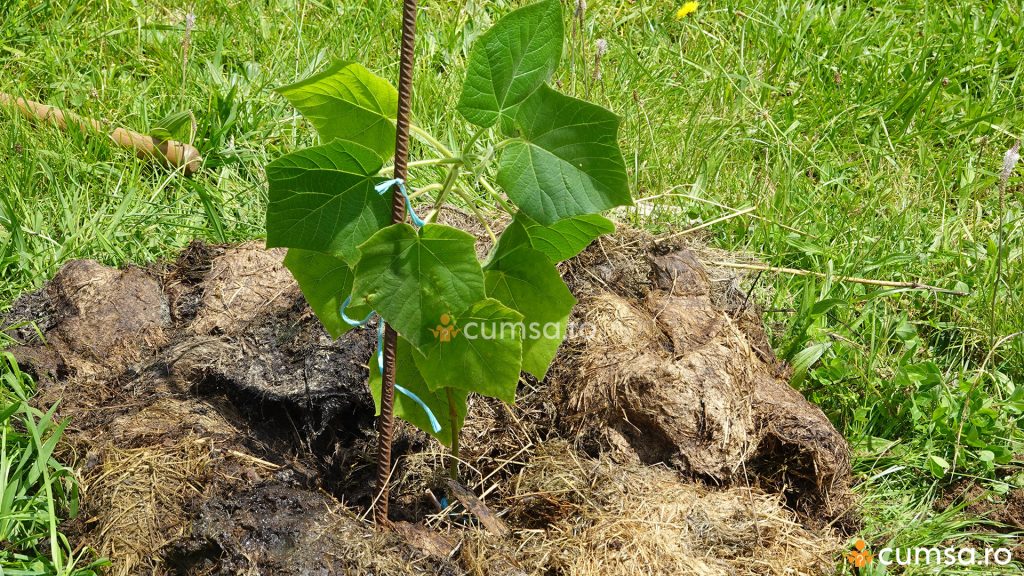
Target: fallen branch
[254,460]
[173,153]
[868,281]
[707,224]
[490,522]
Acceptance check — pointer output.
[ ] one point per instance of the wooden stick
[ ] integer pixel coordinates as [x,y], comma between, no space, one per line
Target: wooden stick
[868,281]
[171,152]
[491,523]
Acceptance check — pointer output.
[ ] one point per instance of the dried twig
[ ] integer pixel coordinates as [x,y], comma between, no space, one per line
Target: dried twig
[706,224]
[868,281]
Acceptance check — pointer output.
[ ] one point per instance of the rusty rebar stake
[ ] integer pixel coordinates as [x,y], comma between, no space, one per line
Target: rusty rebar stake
[386,422]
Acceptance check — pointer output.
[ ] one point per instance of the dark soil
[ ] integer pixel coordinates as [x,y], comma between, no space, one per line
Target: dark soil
[1005,511]
[219,430]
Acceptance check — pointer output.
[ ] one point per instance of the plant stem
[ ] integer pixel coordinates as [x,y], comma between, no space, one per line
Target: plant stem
[426,162]
[506,142]
[421,191]
[1009,163]
[472,140]
[457,163]
[431,141]
[453,417]
[468,192]
[998,272]
[476,213]
[496,195]
[449,182]
[854,279]
[435,162]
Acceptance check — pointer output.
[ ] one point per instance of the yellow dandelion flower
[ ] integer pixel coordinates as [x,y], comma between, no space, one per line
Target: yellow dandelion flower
[686,9]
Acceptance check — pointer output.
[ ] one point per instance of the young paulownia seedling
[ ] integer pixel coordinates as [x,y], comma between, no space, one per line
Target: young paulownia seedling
[464,326]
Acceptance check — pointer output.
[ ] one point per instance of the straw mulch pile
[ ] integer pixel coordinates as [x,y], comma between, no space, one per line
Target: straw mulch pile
[218,430]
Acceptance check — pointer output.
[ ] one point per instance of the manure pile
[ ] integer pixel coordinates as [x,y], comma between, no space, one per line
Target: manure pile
[217,429]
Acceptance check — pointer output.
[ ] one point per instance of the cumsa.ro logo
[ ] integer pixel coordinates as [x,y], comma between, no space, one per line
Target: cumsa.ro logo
[446,330]
[859,557]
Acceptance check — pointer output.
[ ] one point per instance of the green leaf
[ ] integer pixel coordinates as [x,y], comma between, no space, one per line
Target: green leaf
[1003,455]
[525,280]
[479,350]
[566,238]
[822,306]
[408,377]
[540,348]
[414,278]
[348,101]
[512,238]
[511,60]
[804,359]
[322,199]
[174,126]
[567,162]
[325,282]
[937,466]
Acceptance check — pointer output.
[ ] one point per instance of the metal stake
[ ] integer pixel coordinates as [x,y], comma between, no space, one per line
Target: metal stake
[386,423]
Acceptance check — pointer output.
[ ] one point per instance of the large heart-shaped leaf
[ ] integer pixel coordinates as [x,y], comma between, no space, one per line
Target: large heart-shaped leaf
[413,278]
[325,282]
[479,350]
[348,101]
[408,376]
[524,279]
[540,350]
[567,162]
[509,61]
[322,199]
[568,237]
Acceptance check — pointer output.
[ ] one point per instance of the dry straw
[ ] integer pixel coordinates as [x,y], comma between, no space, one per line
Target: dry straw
[597,517]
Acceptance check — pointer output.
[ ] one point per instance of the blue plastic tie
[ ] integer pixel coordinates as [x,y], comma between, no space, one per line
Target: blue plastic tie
[380,348]
[387,184]
[433,420]
[382,188]
[350,321]
[380,366]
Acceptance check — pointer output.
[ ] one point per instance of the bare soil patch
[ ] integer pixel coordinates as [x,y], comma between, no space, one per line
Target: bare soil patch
[1005,511]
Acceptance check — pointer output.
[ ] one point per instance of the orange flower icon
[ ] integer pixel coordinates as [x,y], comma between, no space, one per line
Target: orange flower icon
[859,557]
[446,330]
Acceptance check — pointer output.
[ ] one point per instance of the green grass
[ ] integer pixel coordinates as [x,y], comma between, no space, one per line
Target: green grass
[36,490]
[868,136]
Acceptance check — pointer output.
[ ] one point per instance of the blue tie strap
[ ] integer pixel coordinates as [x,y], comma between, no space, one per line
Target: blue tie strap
[387,184]
[382,188]
[433,419]
[380,348]
[350,321]
[380,366]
